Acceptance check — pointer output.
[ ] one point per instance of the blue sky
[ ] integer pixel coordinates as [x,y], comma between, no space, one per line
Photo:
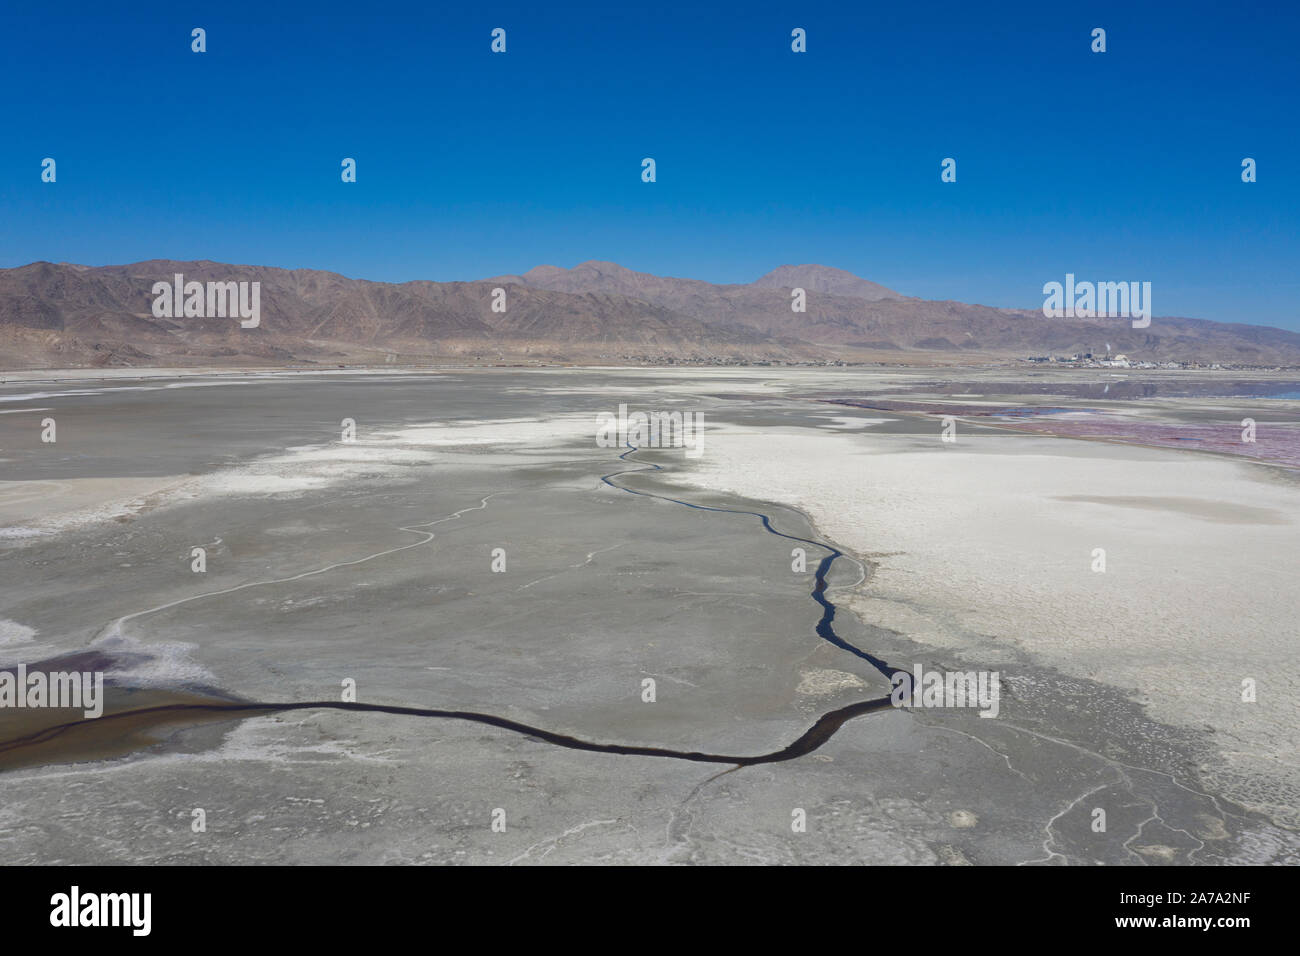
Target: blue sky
[1116,166]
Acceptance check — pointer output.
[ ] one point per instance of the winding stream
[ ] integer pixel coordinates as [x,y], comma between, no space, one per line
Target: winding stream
[810,740]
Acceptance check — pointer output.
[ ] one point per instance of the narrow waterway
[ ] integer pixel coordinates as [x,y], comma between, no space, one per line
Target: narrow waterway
[810,740]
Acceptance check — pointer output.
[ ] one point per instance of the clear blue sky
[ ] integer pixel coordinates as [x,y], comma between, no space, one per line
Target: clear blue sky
[1115,166]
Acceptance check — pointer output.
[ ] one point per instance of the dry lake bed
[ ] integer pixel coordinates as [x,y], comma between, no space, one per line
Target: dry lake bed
[437,617]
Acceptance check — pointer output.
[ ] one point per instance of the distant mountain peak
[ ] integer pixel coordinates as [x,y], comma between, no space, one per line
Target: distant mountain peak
[824,279]
[541,273]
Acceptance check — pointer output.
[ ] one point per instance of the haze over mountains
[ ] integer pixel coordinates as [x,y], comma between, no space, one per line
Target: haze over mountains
[597,312]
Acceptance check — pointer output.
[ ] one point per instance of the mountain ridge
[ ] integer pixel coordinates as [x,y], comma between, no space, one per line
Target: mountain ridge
[596,312]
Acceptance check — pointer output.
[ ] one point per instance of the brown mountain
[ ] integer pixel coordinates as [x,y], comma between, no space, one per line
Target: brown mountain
[58,315]
[824,279]
[851,317]
[832,321]
[597,312]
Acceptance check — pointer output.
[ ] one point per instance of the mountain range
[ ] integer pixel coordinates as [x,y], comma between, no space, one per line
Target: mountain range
[64,315]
